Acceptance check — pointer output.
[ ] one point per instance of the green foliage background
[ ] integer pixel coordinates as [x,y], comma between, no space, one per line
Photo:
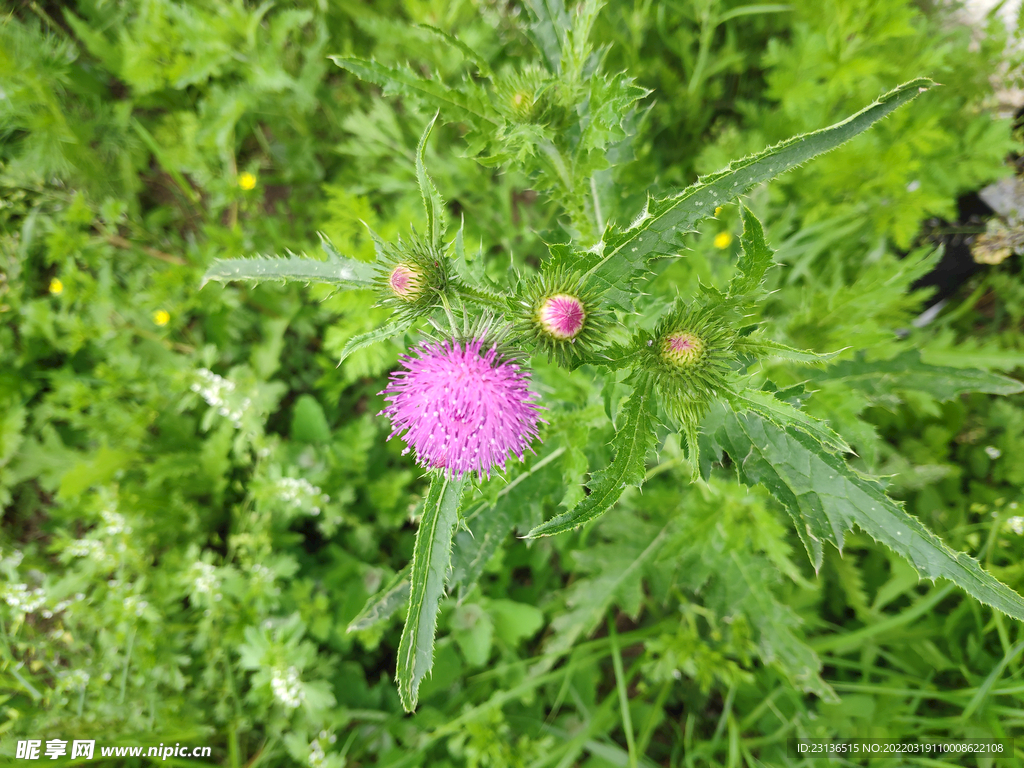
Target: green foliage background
[183,551]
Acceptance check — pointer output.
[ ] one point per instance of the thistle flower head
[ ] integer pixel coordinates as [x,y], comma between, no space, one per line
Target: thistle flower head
[412,276]
[462,406]
[691,355]
[561,315]
[522,95]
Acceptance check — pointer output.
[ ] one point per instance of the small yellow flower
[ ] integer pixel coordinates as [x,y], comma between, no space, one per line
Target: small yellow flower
[719,210]
[161,317]
[56,287]
[723,239]
[247,181]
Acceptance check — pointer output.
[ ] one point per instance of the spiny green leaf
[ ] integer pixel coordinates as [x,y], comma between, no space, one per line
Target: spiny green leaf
[382,605]
[882,380]
[783,415]
[757,256]
[826,497]
[432,202]
[405,83]
[656,231]
[348,273]
[761,348]
[632,442]
[381,333]
[481,63]
[432,554]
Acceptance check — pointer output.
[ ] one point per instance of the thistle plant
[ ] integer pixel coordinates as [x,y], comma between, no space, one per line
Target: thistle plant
[461,400]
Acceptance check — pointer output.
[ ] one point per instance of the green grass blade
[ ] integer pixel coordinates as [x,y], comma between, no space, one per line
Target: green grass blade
[432,554]
[620,685]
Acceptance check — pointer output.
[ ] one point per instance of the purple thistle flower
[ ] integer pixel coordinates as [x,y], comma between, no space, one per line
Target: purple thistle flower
[462,409]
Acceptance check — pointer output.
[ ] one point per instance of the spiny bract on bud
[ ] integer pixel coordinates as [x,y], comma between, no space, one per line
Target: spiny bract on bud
[463,406]
[691,355]
[562,316]
[412,276]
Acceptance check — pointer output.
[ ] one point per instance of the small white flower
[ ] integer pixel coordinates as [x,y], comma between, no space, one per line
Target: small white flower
[204,578]
[219,393]
[993,452]
[287,687]
[299,493]
[85,548]
[115,523]
[21,598]
[1016,524]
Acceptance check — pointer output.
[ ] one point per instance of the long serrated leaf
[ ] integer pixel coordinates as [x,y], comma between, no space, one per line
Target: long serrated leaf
[431,558]
[883,379]
[381,333]
[757,256]
[348,273]
[761,348]
[406,83]
[827,498]
[384,603]
[782,414]
[632,443]
[432,202]
[623,254]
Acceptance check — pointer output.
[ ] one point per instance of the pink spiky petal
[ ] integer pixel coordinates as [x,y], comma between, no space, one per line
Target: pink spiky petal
[562,316]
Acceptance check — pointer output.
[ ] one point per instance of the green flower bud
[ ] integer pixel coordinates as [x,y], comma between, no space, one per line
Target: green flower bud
[690,355]
[412,276]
